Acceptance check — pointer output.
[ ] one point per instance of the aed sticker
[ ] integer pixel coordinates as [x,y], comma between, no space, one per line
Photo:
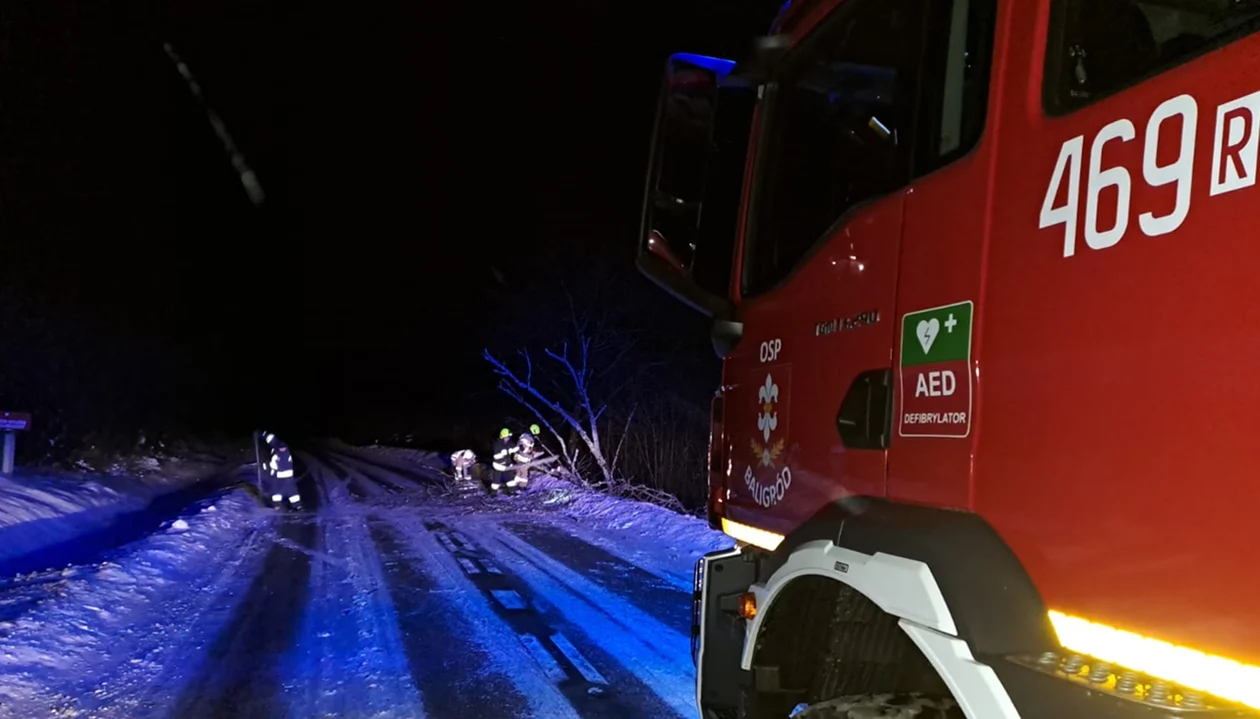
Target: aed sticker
[936,372]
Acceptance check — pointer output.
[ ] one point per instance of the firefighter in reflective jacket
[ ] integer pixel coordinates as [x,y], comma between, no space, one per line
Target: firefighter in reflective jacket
[503,473]
[527,450]
[462,462]
[282,486]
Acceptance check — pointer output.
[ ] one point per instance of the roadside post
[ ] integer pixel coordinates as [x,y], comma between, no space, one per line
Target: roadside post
[12,423]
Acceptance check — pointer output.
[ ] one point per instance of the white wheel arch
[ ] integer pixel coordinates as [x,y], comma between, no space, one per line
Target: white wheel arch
[906,589]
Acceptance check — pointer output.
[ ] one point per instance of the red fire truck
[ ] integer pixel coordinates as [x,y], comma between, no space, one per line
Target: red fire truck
[982,274]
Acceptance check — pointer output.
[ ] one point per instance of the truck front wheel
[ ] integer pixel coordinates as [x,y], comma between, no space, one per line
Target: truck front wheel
[825,651]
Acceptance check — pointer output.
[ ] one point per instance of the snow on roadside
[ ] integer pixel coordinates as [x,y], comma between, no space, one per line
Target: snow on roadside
[97,645]
[42,510]
[681,533]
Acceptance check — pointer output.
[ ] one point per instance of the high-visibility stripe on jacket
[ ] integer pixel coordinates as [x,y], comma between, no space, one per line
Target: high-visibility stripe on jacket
[503,454]
[281,460]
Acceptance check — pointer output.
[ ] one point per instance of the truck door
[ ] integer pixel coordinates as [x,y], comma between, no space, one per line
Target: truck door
[842,135]
[818,267]
[942,242]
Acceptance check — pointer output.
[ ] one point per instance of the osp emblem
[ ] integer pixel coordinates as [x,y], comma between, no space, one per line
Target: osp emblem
[767,476]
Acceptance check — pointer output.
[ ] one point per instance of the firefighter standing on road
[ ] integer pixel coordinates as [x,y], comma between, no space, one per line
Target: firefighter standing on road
[502,461]
[281,484]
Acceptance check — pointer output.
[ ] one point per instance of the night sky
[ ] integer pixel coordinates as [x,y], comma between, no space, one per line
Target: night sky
[408,151]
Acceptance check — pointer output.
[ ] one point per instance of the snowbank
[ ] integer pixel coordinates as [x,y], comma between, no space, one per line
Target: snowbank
[685,534]
[95,641]
[38,510]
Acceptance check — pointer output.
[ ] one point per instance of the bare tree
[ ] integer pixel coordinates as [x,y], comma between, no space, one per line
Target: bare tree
[596,355]
[564,389]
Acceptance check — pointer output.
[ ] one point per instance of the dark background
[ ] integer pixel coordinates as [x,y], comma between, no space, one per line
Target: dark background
[428,168]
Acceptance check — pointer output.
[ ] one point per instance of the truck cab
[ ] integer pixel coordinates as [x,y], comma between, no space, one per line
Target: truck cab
[982,276]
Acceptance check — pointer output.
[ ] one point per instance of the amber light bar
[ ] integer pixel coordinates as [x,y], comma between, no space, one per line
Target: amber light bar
[751,535]
[1225,678]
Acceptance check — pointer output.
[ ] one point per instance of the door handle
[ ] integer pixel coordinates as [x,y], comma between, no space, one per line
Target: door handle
[864,418]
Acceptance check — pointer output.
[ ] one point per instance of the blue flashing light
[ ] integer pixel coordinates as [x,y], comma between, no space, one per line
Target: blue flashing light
[715,65]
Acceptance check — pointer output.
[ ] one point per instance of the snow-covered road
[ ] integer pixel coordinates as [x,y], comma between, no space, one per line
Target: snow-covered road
[387,597]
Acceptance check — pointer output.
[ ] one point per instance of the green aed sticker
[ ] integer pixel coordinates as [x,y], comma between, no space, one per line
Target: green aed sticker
[936,386]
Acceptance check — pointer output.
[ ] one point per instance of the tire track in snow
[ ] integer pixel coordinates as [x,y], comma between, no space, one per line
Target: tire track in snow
[242,672]
[655,652]
[622,544]
[210,605]
[364,484]
[442,625]
[311,478]
[366,471]
[339,477]
[479,625]
[372,474]
[456,677]
[410,474]
[366,475]
[526,612]
[353,484]
[129,631]
[665,602]
[350,659]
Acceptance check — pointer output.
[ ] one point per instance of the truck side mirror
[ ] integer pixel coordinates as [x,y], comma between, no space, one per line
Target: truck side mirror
[695,172]
[768,52]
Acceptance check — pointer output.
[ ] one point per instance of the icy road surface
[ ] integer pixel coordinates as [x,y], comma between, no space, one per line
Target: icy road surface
[388,597]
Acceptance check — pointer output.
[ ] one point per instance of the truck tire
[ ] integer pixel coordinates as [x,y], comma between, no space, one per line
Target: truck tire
[884,706]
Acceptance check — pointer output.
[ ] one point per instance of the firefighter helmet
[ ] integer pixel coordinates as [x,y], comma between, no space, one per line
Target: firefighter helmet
[534,429]
[505,433]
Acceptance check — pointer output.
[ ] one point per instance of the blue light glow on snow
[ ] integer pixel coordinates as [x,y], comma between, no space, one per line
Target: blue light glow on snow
[380,617]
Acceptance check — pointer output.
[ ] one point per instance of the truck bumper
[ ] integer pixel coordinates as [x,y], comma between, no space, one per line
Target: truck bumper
[718,633]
